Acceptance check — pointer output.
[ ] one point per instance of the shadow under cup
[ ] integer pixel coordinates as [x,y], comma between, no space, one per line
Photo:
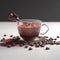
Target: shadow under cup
[29,29]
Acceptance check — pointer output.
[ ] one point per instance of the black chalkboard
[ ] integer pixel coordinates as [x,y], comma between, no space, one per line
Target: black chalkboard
[45,10]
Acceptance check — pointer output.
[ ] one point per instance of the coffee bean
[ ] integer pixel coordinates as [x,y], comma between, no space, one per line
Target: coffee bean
[18,37]
[8,46]
[42,45]
[30,48]
[26,46]
[51,43]
[47,42]
[15,37]
[5,35]
[3,44]
[38,42]
[57,36]
[20,45]
[50,38]
[57,43]
[47,48]
[2,39]
[46,36]
[37,45]
[13,44]
[11,35]
[8,40]
[54,42]
[30,44]
[55,39]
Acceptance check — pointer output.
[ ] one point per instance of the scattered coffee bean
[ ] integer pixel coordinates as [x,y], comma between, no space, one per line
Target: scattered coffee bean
[42,45]
[38,42]
[18,37]
[20,45]
[54,42]
[46,36]
[30,48]
[7,40]
[50,38]
[11,35]
[5,35]
[15,40]
[57,36]
[8,46]
[55,39]
[37,45]
[26,46]
[47,48]
[47,42]
[2,39]
[13,44]
[51,43]
[3,44]
[57,43]
[30,44]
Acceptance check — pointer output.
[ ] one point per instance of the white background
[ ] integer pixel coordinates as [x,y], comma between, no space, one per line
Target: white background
[19,53]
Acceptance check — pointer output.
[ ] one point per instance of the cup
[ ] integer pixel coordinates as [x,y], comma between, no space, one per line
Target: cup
[29,29]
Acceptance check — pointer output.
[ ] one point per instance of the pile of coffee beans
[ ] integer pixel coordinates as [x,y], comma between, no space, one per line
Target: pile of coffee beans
[41,42]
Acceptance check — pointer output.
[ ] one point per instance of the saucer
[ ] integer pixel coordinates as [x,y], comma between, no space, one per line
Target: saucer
[37,39]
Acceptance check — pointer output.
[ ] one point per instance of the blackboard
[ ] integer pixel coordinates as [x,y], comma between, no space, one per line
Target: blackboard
[45,10]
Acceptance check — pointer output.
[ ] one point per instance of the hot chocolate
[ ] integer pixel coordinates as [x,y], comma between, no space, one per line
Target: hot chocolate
[29,30]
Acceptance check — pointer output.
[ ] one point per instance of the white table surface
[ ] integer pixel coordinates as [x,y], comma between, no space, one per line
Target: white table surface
[19,53]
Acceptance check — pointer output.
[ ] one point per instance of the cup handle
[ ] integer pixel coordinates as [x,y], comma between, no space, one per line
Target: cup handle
[46,30]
